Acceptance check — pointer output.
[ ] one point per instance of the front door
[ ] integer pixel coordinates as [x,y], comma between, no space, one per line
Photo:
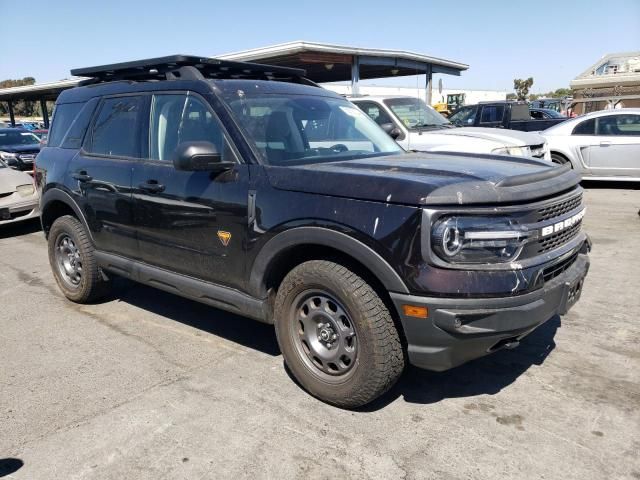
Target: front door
[194,223]
[615,149]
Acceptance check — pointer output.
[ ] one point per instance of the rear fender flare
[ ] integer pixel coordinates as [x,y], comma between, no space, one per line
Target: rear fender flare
[55,194]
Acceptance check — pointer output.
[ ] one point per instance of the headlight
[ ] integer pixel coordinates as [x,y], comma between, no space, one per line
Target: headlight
[8,156]
[478,239]
[25,190]
[515,151]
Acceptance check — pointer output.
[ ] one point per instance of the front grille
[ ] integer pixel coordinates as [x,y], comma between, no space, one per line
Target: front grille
[558,239]
[553,271]
[560,208]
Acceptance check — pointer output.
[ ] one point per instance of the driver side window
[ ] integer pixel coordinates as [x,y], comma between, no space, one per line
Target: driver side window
[178,118]
[464,116]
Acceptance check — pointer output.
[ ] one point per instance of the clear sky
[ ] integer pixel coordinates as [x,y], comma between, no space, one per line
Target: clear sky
[550,40]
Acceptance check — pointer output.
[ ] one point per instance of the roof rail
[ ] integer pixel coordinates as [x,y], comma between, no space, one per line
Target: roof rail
[186,67]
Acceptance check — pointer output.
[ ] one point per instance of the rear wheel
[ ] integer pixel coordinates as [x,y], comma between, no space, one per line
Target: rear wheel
[336,334]
[72,259]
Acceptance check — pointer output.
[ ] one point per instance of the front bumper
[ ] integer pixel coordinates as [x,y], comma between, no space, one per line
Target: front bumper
[457,330]
[11,212]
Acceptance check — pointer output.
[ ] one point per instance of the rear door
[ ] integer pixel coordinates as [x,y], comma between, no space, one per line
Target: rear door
[194,223]
[615,149]
[100,174]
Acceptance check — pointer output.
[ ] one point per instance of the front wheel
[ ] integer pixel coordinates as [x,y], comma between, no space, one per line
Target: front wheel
[336,334]
[560,159]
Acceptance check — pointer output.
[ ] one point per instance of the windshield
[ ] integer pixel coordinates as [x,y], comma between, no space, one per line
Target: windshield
[18,138]
[289,128]
[414,113]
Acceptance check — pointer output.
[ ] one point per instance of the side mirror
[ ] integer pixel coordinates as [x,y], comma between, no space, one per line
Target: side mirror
[199,157]
[393,131]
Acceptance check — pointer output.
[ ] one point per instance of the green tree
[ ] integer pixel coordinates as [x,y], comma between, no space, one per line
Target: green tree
[21,108]
[512,96]
[522,87]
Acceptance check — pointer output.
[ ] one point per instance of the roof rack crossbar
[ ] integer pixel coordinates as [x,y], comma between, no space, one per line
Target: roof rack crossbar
[185,67]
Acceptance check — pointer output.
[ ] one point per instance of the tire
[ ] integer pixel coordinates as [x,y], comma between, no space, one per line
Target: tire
[336,335]
[560,159]
[73,262]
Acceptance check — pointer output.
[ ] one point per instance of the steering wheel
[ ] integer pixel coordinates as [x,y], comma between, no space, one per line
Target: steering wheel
[339,148]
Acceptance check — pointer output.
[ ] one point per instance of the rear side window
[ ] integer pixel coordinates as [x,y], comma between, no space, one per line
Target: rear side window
[63,116]
[75,134]
[116,129]
[587,127]
[491,114]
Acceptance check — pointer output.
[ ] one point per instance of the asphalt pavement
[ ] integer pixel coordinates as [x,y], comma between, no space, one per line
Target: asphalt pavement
[147,385]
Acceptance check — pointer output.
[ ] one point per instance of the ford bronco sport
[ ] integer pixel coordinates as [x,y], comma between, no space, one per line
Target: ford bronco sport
[251,189]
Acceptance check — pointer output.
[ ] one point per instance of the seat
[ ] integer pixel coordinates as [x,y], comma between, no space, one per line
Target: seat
[283,138]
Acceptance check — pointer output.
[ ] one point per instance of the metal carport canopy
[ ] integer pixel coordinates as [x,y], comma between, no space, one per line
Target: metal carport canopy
[39,92]
[334,63]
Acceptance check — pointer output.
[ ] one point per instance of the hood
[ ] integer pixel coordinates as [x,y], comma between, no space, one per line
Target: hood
[428,179]
[10,179]
[509,138]
[20,148]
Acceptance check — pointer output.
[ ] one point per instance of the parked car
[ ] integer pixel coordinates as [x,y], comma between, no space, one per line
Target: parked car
[505,114]
[18,148]
[252,189]
[416,126]
[545,113]
[560,105]
[601,145]
[18,196]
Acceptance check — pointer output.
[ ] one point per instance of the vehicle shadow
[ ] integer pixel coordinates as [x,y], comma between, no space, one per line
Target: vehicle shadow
[238,329]
[597,184]
[484,376]
[9,466]
[21,228]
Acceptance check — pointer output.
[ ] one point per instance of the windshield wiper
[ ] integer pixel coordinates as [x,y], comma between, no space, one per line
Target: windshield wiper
[423,125]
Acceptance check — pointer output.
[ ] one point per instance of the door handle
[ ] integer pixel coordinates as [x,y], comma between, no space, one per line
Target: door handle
[82,176]
[152,186]
[605,143]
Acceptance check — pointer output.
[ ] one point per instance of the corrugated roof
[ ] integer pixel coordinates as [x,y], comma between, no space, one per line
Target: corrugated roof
[300,46]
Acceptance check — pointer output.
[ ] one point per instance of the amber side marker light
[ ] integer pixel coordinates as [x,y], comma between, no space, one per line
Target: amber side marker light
[414,311]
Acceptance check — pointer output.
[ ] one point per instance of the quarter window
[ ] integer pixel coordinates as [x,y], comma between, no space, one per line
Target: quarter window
[115,131]
[178,118]
[63,116]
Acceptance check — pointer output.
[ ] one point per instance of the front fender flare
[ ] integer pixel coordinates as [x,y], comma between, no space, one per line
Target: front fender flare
[327,238]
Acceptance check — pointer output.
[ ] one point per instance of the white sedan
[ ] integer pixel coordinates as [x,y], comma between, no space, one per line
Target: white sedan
[18,197]
[600,146]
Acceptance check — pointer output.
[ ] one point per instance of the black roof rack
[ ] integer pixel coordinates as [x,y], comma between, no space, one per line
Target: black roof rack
[187,67]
